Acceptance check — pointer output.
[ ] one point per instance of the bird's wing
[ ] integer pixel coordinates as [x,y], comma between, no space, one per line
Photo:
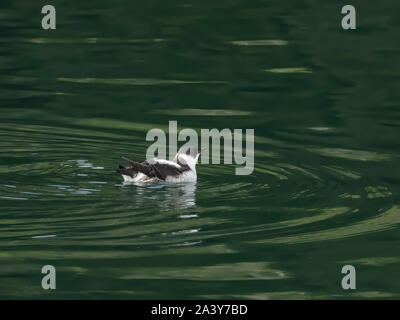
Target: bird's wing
[143,167]
[165,169]
[160,169]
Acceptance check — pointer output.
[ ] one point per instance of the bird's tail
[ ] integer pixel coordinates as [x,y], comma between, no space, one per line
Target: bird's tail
[126,171]
[136,167]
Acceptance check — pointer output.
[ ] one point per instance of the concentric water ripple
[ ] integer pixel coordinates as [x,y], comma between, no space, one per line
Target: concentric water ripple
[299,202]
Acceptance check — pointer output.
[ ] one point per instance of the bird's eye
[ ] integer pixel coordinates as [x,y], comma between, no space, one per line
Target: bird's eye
[188,151]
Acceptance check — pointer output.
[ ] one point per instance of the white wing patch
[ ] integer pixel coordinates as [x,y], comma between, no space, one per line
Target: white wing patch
[163,161]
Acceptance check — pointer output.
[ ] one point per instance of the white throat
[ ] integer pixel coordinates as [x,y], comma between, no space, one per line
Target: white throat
[187,160]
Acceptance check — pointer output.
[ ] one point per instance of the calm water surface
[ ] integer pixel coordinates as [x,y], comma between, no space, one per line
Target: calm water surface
[324,104]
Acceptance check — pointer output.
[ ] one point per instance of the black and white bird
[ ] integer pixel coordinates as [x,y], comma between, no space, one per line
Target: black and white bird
[181,169]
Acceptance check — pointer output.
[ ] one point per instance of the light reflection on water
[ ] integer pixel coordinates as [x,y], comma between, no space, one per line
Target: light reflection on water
[167,196]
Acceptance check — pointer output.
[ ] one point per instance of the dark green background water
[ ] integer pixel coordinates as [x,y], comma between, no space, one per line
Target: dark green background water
[324,104]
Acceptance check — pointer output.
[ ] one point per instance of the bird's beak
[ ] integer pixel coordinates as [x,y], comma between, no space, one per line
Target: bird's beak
[200,150]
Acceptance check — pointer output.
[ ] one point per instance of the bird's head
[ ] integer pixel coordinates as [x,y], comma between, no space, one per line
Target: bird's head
[188,155]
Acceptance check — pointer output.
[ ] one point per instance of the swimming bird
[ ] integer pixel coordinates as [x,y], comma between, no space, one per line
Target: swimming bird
[181,169]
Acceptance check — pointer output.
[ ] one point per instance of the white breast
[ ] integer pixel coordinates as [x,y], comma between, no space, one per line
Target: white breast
[187,176]
[140,177]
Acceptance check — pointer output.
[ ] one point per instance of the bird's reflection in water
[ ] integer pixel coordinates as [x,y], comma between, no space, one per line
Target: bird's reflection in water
[164,195]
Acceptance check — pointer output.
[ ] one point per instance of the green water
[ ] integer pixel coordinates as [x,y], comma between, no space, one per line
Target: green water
[324,104]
